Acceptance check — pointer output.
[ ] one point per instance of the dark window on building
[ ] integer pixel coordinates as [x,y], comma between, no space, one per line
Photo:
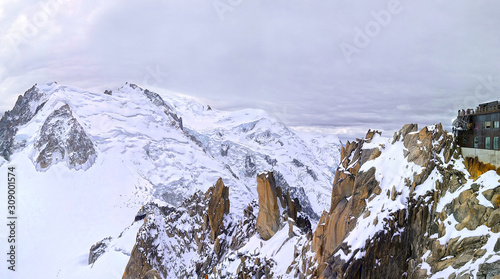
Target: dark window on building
[487,143]
[496,124]
[476,142]
[496,143]
[487,124]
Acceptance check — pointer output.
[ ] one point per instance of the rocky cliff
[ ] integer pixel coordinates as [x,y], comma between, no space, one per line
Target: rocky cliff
[202,238]
[195,232]
[407,207]
[268,220]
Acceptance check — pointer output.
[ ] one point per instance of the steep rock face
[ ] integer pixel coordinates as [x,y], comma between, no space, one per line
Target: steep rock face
[269,214]
[350,189]
[169,234]
[179,242]
[63,138]
[414,211]
[24,110]
[388,251]
[197,232]
[218,206]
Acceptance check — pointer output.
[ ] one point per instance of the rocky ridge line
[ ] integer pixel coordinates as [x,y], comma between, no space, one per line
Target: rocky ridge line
[24,110]
[430,219]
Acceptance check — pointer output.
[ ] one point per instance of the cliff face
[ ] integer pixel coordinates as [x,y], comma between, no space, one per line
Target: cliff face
[408,207]
[269,215]
[350,189]
[186,241]
[202,238]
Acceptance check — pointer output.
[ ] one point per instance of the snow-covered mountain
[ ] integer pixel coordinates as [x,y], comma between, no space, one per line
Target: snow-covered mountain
[131,184]
[86,162]
[408,206]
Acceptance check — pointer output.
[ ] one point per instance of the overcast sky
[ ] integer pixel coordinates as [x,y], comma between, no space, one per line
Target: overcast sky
[342,66]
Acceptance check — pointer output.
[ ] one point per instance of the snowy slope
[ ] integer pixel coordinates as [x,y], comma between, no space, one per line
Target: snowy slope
[142,148]
[251,141]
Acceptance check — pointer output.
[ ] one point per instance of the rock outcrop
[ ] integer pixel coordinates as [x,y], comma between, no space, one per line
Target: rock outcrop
[159,102]
[218,206]
[202,238]
[169,234]
[402,207]
[196,227]
[350,189]
[269,213]
[26,107]
[98,249]
[407,208]
[62,138]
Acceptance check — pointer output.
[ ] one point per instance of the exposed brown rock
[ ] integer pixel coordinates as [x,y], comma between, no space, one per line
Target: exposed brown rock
[467,210]
[408,128]
[476,167]
[419,144]
[185,234]
[217,207]
[152,274]
[350,189]
[269,215]
[397,251]
[138,264]
[494,218]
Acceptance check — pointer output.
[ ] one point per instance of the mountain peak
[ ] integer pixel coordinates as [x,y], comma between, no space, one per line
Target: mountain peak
[113,153]
[62,138]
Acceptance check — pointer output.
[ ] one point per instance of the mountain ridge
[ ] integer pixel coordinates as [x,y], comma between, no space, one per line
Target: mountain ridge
[142,147]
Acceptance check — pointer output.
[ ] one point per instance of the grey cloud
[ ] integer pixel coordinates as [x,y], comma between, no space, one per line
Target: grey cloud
[281,56]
